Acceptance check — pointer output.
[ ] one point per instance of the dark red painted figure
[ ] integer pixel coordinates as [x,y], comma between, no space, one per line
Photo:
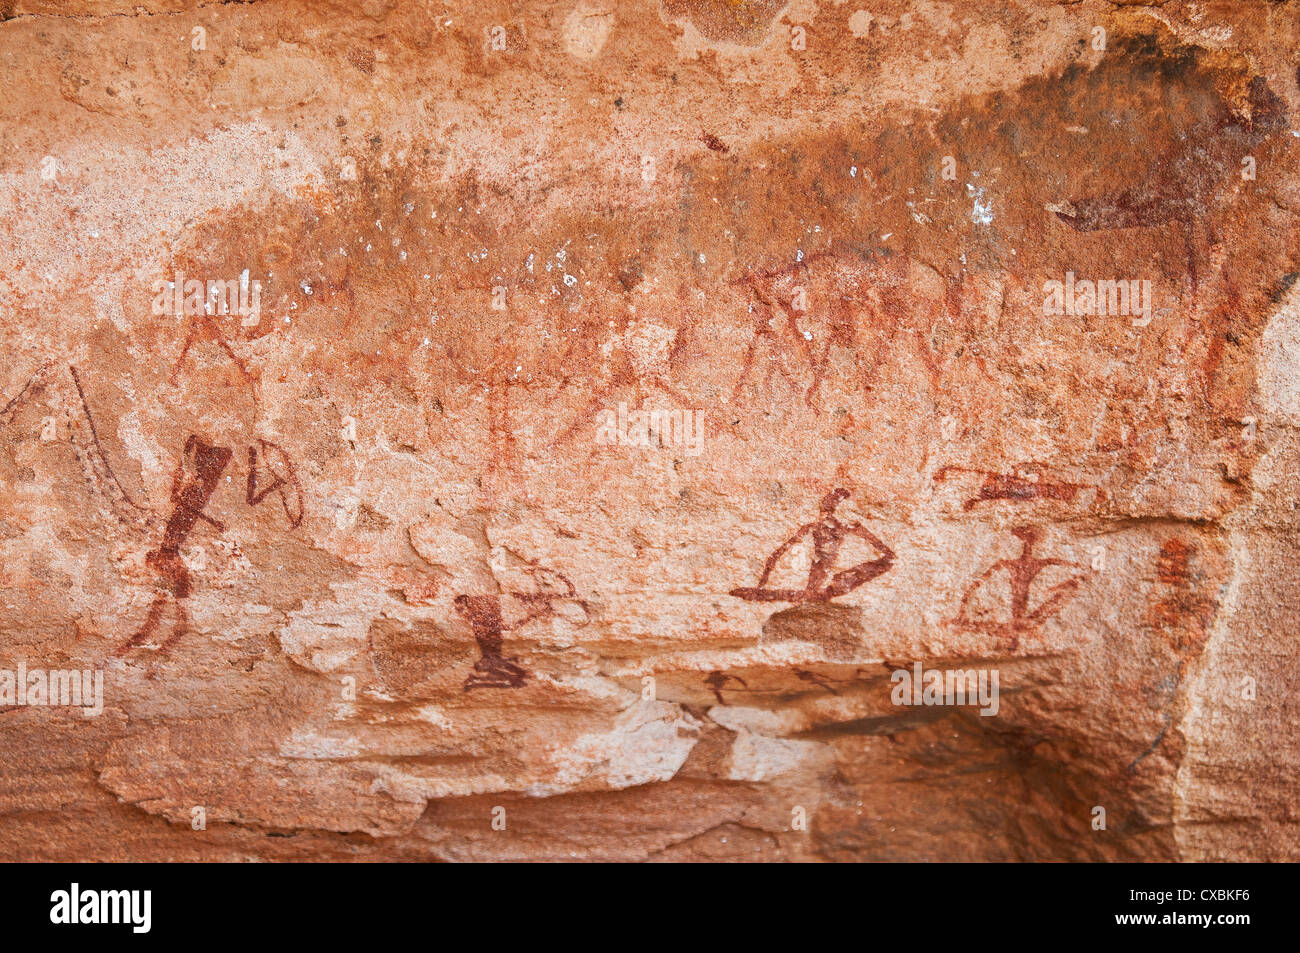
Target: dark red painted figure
[486,619]
[828,535]
[285,482]
[1021,573]
[197,475]
[193,484]
[718,680]
[1009,486]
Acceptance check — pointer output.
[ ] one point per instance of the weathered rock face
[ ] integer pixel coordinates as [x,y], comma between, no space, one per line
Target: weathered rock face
[574,431]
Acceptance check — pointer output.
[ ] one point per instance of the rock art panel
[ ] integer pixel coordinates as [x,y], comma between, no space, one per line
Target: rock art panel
[595,412]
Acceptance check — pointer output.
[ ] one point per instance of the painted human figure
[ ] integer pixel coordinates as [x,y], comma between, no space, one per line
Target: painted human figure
[1021,573]
[828,534]
[193,483]
[489,624]
[195,480]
